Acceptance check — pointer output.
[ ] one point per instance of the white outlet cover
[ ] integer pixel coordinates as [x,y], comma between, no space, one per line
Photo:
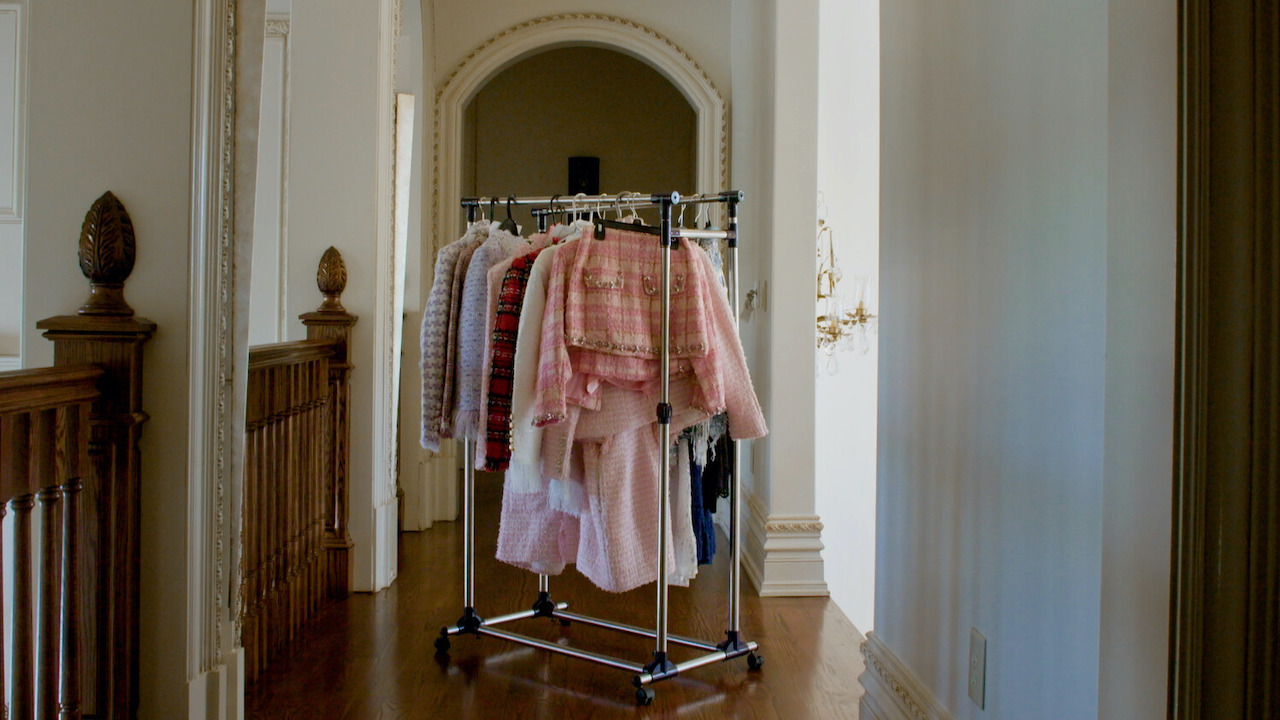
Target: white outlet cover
[977,668]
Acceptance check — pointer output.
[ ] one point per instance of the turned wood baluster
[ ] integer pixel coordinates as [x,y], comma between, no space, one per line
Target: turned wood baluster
[50,611]
[273,513]
[72,460]
[23,620]
[315,518]
[290,491]
[4,612]
[259,522]
[43,469]
[249,574]
[70,705]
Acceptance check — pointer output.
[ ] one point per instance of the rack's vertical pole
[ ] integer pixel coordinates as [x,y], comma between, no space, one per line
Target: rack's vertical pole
[660,663]
[735,497]
[469,508]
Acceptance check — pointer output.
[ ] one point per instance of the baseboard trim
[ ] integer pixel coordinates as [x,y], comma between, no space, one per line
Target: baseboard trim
[891,690]
[783,553]
[10,362]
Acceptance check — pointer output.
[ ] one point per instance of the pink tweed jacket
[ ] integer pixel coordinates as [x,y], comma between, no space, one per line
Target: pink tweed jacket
[602,323]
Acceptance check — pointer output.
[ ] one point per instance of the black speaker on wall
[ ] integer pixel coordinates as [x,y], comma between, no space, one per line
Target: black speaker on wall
[584,175]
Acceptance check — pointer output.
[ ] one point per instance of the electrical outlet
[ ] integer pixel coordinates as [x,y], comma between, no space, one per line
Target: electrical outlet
[977,668]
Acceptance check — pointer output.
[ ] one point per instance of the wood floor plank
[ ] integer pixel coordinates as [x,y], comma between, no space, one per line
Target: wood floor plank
[371,657]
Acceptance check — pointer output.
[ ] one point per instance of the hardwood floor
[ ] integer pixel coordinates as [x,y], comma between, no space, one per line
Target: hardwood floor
[371,657]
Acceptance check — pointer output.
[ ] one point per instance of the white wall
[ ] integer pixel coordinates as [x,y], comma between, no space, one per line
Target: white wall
[269,321]
[849,180]
[1026,283]
[109,108]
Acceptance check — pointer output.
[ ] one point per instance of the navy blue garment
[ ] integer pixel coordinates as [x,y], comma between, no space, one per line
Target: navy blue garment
[704,527]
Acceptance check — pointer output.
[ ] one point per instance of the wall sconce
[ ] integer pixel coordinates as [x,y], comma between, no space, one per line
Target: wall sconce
[838,328]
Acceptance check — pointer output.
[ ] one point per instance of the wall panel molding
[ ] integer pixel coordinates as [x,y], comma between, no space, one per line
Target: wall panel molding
[13,123]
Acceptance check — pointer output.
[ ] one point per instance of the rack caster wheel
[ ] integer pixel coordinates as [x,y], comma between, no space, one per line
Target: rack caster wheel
[754,661]
[442,644]
[644,696]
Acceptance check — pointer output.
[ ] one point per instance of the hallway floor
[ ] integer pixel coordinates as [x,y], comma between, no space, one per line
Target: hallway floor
[371,657]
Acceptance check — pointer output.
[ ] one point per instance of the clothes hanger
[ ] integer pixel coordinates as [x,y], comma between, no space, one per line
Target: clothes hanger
[633,217]
[509,224]
[601,223]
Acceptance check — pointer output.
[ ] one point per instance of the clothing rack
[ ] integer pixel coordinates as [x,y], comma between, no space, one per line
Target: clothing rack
[660,667]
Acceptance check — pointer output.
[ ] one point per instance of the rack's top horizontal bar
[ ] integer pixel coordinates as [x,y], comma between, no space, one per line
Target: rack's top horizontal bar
[703,234]
[622,199]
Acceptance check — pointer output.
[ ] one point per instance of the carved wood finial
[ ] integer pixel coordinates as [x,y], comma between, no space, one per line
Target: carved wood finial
[331,278]
[107,252]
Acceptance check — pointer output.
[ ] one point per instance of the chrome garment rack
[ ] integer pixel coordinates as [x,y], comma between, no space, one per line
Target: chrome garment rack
[644,675]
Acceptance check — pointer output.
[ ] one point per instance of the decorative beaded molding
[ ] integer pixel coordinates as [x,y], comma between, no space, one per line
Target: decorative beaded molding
[783,553]
[499,51]
[278,27]
[793,526]
[892,691]
[225,330]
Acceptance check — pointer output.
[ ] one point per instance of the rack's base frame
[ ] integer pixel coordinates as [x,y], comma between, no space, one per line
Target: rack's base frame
[643,676]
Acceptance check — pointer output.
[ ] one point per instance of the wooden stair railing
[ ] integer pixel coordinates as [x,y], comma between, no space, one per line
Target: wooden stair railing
[44,442]
[297,434]
[69,447]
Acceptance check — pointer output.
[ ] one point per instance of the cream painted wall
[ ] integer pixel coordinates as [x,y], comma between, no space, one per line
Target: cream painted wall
[412,69]
[1027,328]
[849,179]
[530,118]
[110,109]
[788,390]
[751,128]
[268,295]
[335,169]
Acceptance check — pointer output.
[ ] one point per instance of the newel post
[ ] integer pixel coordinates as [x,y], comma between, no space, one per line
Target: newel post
[331,321]
[105,332]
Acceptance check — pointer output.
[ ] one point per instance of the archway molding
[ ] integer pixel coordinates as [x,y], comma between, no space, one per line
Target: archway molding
[546,33]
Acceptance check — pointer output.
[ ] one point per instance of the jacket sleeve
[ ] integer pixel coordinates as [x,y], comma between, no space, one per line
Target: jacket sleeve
[724,369]
[435,322]
[554,368]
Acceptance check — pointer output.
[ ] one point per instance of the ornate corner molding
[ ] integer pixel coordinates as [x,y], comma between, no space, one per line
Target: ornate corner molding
[488,58]
[892,690]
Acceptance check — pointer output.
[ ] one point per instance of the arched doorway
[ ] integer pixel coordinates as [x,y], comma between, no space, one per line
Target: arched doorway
[437,474]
